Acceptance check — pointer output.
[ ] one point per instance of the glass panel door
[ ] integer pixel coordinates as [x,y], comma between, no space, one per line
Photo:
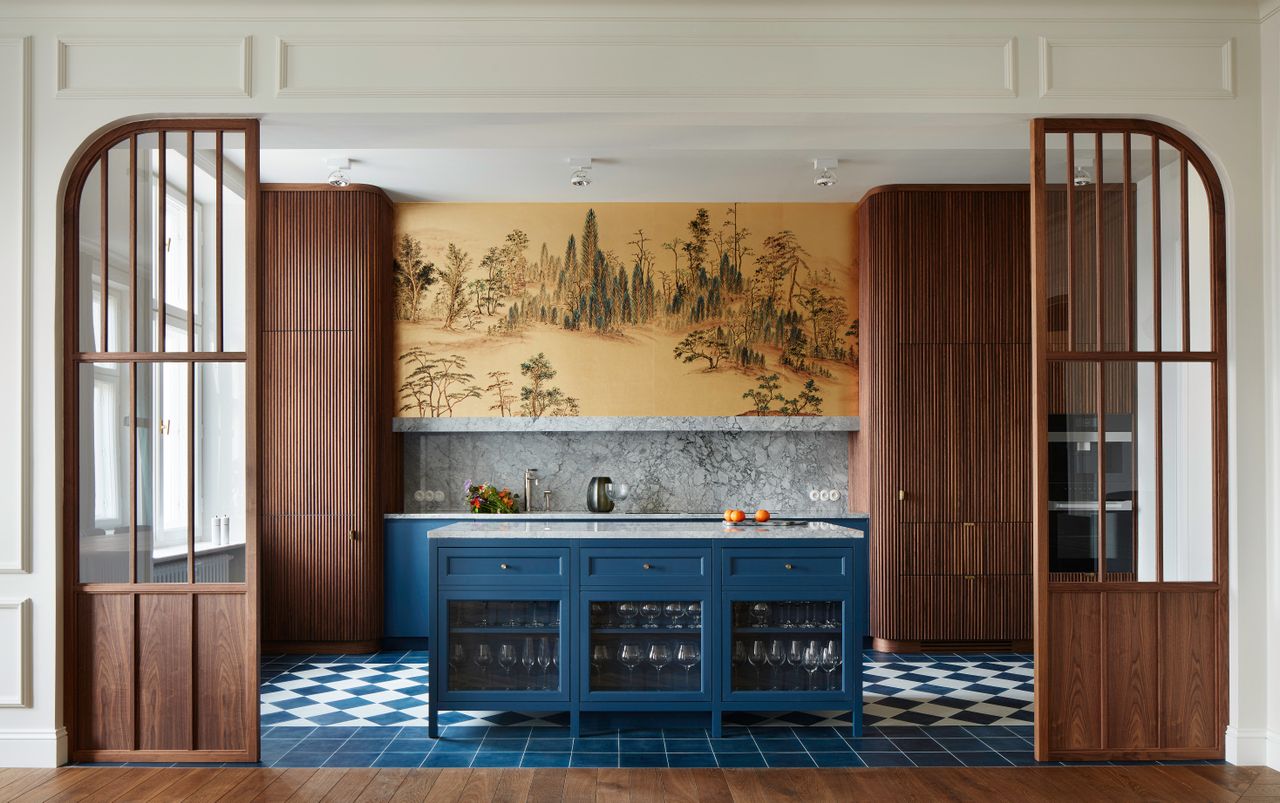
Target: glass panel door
[504,645]
[646,646]
[787,645]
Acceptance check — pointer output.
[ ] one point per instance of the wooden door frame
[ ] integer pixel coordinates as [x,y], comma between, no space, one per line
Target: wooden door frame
[90,156]
[1193,155]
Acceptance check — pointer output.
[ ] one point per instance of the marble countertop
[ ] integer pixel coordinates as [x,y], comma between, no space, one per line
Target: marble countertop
[566,515]
[641,529]
[638,423]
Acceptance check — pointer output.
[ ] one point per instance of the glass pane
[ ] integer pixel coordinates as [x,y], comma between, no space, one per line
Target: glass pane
[1056,234]
[1117,287]
[104,472]
[1200,293]
[1120,476]
[646,646]
[118,178]
[176,245]
[220,472]
[1146,511]
[233,241]
[789,645]
[1186,420]
[504,645]
[1073,468]
[148,160]
[1144,252]
[162,472]
[1082,228]
[1170,249]
[90,278]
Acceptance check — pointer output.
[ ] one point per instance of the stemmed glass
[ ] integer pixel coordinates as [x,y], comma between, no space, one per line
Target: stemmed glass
[795,657]
[776,658]
[507,659]
[688,656]
[812,659]
[757,658]
[830,662]
[694,612]
[544,662]
[513,615]
[659,656]
[600,614]
[617,491]
[599,657]
[529,659]
[760,613]
[483,659]
[629,656]
[832,621]
[628,611]
[651,611]
[788,616]
[483,621]
[457,657]
[675,612]
[536,619]
[739,657]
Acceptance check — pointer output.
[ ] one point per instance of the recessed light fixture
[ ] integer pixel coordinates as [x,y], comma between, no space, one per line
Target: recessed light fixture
[338,166]
[826,176]
[579,177]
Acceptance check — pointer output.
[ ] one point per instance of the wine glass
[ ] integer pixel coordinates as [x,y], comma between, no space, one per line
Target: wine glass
[688,656]
[629,657]
[776,659]
[513,615]
[483,621]
[795,657]
[830,662]
[788,617]
[659,656]
[757,658]
[812,660]
[599,657]
[832,621]
[529,659]
[484,660]
[507,658]
[675,612]
[599,615]
[739,658]
[628,611]
[536,619]
[760,613]
[457,659]
[544,662]
[617,491]
[651,611]
[694,612]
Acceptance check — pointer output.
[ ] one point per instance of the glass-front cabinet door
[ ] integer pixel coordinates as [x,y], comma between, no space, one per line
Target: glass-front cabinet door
[645,645]
[499,646]
[791,645]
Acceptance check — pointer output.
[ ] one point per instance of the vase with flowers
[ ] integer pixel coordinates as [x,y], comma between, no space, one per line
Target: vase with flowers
[485,498]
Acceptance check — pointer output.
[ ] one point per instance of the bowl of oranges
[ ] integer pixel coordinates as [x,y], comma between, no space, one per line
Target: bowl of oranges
[735,516]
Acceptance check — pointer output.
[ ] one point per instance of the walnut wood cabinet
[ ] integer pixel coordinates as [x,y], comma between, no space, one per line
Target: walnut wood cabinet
[943,460]
[326,408]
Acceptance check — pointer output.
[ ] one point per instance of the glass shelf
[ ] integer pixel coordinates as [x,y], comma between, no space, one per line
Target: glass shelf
[487,653]
[646,646]
[787,646]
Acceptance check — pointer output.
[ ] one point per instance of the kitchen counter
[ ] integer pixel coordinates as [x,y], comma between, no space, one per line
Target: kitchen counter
[564,515]
[642,530]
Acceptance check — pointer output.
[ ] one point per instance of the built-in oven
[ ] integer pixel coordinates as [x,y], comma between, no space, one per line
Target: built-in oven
[1074,509]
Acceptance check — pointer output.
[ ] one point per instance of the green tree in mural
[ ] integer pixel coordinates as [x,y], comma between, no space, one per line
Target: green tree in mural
[501,390]
[780,263]
[765,393]
[452,296]
[703,344]
[538,396]
[435,385]
[695,250]
[809,402]
[413,274]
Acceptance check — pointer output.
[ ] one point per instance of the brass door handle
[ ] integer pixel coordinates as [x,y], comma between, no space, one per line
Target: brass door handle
[787,566]
[902,496]
[648,566]
[353,534]
[968,577]
[503,566]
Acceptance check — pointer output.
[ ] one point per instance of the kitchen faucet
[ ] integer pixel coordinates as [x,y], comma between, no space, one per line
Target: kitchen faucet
[530,480]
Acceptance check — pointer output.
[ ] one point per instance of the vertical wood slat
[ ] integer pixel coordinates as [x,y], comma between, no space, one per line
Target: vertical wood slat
[162,199]
[1185,238]
[217,238]
[1102,472]
[1156,259]
[104,234]
[1071,242]
[1098,245]
[133,472]
[191,472]
[133,242]
[1129,317]
[1158,460]
[192,345]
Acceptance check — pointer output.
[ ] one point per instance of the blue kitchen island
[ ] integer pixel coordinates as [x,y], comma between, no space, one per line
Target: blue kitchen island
[634,616]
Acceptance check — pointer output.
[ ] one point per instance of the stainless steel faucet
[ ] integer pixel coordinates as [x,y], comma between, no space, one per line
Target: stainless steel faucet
[530,481]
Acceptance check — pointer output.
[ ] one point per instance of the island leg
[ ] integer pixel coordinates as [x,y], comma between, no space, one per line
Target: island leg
[575,723]
[433,717]
[717,723]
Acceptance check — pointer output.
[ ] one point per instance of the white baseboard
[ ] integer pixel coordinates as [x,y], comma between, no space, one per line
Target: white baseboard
[33,748]
[1253,747]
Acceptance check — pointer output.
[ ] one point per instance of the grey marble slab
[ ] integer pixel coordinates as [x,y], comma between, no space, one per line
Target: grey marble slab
[640,529]
[660,423]
[569,516]
[666,471]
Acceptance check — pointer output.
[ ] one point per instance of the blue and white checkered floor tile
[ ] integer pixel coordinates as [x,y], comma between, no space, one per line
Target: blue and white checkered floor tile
[390,689]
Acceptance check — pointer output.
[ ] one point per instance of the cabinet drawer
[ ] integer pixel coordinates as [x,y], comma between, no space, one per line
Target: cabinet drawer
[963,607]
[644,567]
[800,566]
[521,567]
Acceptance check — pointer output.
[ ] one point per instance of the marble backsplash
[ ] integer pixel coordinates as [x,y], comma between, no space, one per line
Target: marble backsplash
[668,472]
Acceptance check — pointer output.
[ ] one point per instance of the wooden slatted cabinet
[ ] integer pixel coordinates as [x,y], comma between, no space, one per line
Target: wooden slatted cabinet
[325,415]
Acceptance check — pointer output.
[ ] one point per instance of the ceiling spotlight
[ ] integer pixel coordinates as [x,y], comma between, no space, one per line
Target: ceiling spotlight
[826,176]
[338,165]
[581,164]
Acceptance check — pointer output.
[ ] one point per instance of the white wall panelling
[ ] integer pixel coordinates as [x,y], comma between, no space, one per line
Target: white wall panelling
[15,262]
[15,661]
[1147,68]
[182,66]
[643,66]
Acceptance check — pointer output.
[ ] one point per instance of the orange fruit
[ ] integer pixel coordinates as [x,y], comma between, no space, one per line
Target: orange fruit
[762,515]
[728,514]
[738,516]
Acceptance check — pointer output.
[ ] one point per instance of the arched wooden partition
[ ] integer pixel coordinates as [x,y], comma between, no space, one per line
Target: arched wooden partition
[160,493]
[1130,416]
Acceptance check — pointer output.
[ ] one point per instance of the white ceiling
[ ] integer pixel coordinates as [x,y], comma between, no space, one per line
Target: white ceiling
[492,158]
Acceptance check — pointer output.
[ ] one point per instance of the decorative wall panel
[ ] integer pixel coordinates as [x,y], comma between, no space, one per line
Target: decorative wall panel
[15,667]
[15,258]
[1168,68]
[193,67]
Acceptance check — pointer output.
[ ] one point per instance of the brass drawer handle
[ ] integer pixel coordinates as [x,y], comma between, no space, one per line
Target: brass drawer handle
[503,566]
[788,566]
[968,577]
[969,524]
[648,565]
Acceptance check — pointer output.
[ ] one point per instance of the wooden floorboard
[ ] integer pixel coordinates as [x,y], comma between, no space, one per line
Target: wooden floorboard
[1224,784]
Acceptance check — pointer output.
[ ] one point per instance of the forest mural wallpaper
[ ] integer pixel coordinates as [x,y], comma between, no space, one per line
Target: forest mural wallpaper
[621,309]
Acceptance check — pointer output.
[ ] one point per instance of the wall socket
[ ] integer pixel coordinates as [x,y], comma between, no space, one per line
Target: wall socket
[824,494]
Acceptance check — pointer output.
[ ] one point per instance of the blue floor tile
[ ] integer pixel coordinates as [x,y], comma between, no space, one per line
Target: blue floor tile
[644,746]
[895,759]
[789,760]
[348,759]
[1007,744]
[833,745]
[455,746]
[447,759]
[531,759]
[597,760]
[596,744]
[732,744]
[1023,758]
[971,745]
[846,759]
[902,730]
[642,759]
[987,759]
[935,760]
[497,760]
[918,746]
[389,759]
[738,759]
[873,744]
[987,730]
[543,734]
[304,759]
[503,745]
[779,745]
[691,759]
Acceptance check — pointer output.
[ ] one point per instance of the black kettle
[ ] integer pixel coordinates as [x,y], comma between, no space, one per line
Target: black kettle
[598,500]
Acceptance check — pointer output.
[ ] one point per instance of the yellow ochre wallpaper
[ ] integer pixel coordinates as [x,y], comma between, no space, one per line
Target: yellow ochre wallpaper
[621,309]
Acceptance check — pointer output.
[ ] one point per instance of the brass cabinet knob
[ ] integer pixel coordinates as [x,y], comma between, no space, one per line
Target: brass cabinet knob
[503,566]
[902,496]
[648,566]
[787,566]
[353,534]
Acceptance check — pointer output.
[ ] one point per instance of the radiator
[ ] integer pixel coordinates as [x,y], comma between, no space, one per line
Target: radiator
[209,569]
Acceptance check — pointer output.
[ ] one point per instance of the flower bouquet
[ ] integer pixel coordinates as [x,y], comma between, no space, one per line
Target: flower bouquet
[484,498]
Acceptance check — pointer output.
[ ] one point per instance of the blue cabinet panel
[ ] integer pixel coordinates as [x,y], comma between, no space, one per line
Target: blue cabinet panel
[406,573]
[785,563]
[645,566]
[502,566]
